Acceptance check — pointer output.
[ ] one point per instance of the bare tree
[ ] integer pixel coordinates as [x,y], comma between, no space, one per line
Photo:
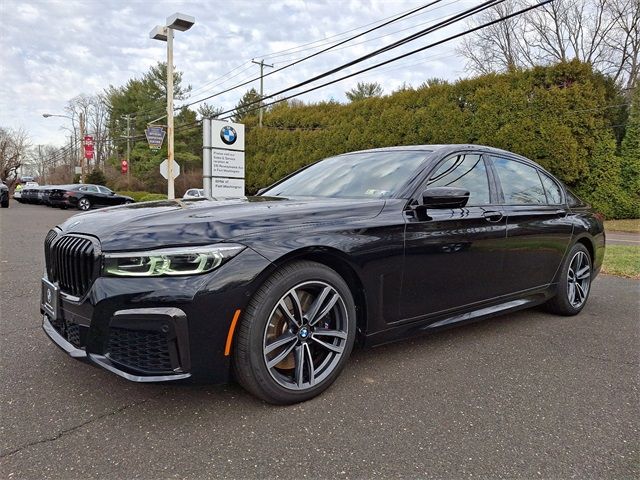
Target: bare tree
[96,116]
[14,146]
[43,159]
[498,47]
[364,90]
[603,33]
[626,49]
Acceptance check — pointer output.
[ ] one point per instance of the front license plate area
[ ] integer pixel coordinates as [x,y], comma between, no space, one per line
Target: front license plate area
[50,296]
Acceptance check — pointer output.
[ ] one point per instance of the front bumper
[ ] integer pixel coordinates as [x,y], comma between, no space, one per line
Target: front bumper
[158,329]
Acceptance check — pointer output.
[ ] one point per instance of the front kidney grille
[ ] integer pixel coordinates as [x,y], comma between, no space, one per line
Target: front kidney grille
[141,350]
[72,262]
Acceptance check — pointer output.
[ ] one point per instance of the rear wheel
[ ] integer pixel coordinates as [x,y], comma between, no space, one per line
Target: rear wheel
[84,204]
[296,334]
[574,286]
[5,204]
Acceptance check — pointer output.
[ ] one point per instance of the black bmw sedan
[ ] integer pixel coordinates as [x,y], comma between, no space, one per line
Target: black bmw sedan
[85,197]
[366,247]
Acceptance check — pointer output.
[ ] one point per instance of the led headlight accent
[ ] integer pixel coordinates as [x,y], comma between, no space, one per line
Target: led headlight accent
[170,261]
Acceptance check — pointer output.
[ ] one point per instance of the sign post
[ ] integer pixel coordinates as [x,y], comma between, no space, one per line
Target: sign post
[223,159]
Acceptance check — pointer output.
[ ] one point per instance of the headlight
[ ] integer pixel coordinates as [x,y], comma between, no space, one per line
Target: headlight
[170,261]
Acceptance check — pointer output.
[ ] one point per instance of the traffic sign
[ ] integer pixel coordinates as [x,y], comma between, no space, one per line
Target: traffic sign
[155,137]
[164,169]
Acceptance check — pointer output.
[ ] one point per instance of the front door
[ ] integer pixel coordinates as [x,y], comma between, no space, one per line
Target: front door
[453,257]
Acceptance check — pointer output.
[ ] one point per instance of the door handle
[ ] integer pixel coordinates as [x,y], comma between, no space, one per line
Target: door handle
[493,216]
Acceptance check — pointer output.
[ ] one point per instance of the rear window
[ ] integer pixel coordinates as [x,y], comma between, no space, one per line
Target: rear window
[520,183]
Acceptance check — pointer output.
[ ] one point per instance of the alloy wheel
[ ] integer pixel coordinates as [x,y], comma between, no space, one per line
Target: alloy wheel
[306,335]
[578,279]
[84,204]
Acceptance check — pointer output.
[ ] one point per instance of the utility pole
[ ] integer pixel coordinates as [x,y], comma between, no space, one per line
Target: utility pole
[127,117]
[262,65]
[81,147]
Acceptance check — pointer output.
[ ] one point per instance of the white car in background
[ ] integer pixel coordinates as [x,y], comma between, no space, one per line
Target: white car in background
[194,193]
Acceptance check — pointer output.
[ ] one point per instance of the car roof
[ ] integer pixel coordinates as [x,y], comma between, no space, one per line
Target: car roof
[441,149]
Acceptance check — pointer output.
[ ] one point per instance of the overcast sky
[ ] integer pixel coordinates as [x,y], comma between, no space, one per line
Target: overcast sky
[51,51]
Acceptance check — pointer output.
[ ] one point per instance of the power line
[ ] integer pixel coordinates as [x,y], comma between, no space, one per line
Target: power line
[246,82]
[456,18]
[317,53]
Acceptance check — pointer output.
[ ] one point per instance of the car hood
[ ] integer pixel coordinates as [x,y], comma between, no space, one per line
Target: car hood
[196,222]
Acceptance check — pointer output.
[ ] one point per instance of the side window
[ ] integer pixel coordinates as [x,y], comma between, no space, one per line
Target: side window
[520,183]
[464,171]
[551,188]
[104,190]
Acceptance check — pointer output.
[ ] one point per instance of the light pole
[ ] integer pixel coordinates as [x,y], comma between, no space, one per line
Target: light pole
[47,115]
[181,22]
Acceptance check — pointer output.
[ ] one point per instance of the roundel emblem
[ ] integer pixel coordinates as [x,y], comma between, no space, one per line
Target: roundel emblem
[228,135]
[48,296]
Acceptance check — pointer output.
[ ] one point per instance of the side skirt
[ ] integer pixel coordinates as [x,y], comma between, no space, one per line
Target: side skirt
[425,326]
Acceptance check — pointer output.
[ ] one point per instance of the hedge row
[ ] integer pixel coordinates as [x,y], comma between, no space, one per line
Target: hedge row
[143,196]
[565,117]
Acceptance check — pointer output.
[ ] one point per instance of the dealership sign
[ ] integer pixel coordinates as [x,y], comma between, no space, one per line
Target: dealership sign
[223,157]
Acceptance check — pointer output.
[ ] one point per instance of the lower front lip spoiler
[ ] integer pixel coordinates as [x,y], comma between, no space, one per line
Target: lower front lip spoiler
[101,360]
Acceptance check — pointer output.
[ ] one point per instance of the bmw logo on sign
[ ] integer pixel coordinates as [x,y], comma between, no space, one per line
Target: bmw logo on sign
[228,135]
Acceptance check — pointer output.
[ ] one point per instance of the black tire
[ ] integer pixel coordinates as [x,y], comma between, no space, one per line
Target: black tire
[250,354]
[5,204]
[563,302]
[84,204]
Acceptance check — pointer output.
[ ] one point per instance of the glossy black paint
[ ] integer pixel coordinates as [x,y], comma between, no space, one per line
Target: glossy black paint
[411,268]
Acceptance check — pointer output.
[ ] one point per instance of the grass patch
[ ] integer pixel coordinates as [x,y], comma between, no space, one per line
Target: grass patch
[622,260]
[630,225]
[144,196]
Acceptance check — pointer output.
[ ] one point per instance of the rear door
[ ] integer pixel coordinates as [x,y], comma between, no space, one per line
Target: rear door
[453,257]
[538,230]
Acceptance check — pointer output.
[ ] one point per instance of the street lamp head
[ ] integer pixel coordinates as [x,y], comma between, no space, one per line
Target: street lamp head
[158,33]
[180,21]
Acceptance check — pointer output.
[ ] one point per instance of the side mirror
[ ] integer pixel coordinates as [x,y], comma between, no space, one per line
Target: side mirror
[261,191]
[445,197]
[112,193]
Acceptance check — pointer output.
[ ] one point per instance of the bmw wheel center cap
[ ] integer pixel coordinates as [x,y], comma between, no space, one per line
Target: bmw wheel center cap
[304,332]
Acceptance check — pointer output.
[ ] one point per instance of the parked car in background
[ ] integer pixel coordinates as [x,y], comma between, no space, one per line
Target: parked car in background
[4,195]
[367,247]
[30,194]
[43,194]
[85,197]
[194,193]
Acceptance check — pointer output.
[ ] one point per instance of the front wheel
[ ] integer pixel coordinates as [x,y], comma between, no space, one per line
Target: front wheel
[296,334]
[574,286]
[84,204]
[5,204]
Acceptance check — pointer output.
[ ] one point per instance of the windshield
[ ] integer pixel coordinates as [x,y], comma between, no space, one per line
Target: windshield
[358,175]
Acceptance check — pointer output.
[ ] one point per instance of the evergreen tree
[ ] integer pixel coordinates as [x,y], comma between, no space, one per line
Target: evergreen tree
[246,106]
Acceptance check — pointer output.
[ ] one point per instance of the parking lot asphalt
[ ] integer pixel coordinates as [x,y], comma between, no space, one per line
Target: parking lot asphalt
[527,395]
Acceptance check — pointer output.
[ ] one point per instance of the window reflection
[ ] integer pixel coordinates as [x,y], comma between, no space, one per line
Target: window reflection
[464,171]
